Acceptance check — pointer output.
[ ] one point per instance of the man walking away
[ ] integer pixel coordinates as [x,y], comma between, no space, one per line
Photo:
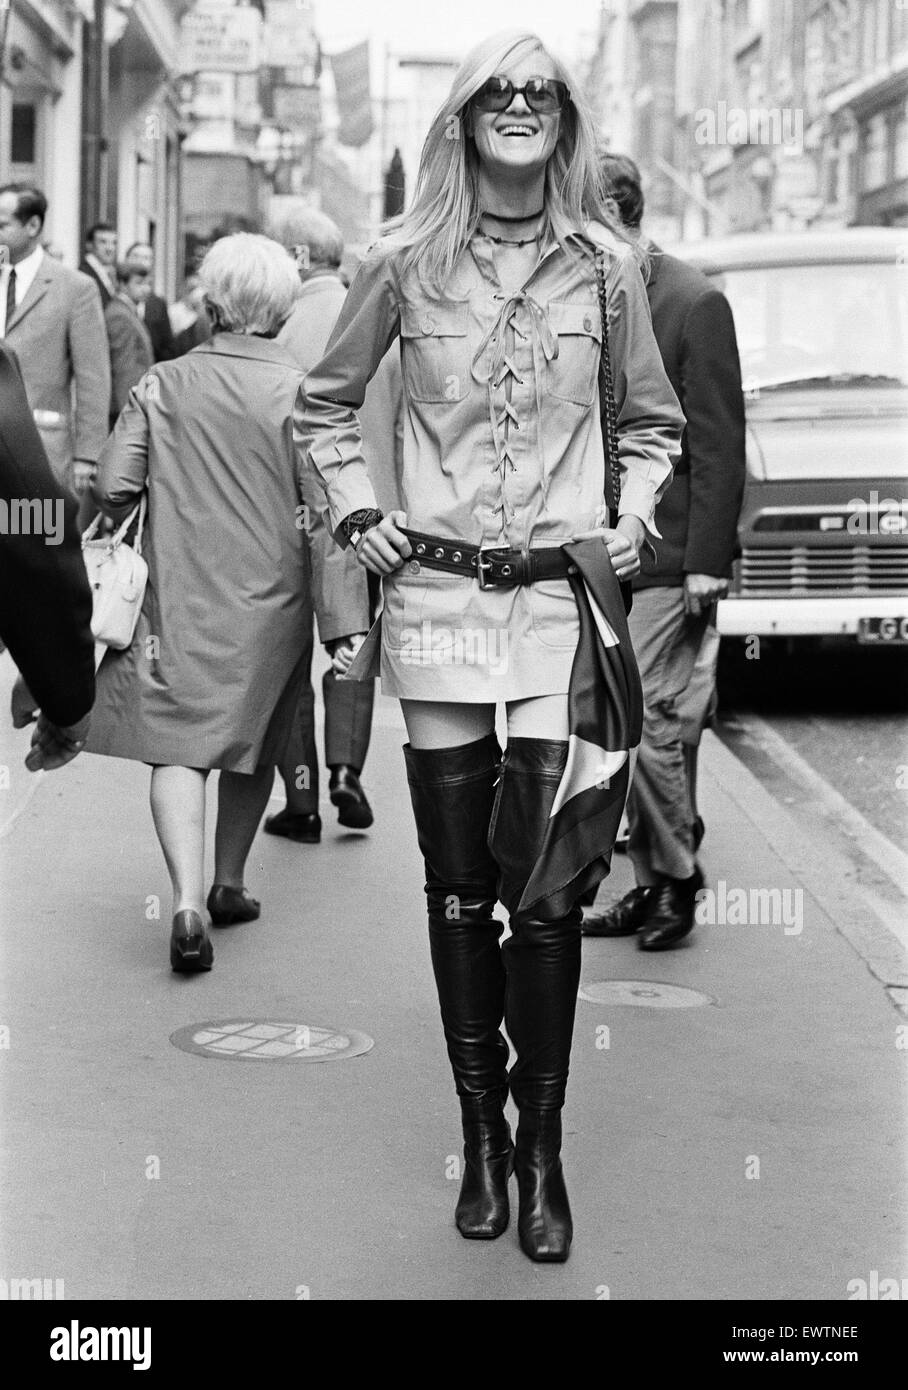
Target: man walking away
[316,243]
[673,617]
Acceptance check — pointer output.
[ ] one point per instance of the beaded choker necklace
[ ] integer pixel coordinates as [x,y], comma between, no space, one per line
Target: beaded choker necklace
[507,241]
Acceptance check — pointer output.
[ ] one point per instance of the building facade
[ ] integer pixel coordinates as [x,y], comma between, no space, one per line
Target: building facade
[792,113]
[88,113]
[41,108]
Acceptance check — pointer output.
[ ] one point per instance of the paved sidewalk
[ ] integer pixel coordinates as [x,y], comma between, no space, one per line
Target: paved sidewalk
[134,1169]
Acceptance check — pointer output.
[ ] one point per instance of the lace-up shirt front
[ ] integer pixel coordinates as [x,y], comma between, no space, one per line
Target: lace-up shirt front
[502,446]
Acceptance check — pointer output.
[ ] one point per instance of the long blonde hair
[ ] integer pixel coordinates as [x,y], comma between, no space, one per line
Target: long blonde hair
[445,211]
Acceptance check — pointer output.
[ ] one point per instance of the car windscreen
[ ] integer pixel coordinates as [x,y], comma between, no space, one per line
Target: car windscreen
[820,325]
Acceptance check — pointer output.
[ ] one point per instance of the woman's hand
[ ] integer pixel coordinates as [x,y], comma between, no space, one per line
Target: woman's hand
[623,543]
[384,548]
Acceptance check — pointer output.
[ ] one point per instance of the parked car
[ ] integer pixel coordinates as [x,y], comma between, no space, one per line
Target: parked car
[822,324]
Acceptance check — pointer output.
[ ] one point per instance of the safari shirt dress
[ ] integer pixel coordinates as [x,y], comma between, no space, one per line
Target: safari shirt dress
[502,446]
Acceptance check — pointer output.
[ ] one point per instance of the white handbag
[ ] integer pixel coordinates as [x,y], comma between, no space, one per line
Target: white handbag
[117,575]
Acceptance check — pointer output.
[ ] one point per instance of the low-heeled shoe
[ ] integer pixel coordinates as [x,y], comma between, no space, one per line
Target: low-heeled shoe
[623,918]
[672,917]
[190,945]
[228,905]
[346,793]
[305,827]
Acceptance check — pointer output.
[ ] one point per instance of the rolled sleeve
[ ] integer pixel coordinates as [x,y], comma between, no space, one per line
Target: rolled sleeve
[326,429]
[650,419]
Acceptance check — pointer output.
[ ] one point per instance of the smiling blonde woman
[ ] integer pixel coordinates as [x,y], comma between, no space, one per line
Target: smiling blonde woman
[490,283]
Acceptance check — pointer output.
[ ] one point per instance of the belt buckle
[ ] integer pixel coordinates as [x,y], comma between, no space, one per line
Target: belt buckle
[482,566]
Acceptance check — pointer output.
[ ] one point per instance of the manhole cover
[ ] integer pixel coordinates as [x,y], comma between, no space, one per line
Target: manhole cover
[645,994]
[236,1039]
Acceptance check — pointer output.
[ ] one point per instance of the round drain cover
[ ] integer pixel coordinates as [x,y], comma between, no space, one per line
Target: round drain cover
[236,1039]
[645,994]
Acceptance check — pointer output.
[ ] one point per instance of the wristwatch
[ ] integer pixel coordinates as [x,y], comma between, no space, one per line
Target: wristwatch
[358,523]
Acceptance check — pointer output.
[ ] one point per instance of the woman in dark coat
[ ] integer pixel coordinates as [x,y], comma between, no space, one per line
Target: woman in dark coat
[212,677]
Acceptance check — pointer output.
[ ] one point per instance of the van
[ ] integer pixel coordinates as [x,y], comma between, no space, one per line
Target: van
[822,325]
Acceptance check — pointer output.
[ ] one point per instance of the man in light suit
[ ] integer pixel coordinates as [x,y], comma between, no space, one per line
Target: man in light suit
[51,317]
[317,245]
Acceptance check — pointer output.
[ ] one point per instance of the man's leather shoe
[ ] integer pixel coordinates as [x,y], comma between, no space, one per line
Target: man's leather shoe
[623,918]
[347,795]
[672,914]
[228,905]
[304,827]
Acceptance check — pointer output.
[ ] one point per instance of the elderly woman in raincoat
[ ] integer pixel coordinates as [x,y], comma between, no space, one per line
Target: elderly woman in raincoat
[213,675]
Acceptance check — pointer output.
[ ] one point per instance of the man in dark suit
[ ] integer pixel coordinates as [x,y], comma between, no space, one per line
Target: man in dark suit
[131,352]
[45,599]
[100,259]
[154,312]
[676,593]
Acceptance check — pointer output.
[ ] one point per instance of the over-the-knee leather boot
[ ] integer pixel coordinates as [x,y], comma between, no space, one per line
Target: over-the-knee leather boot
[542,961]
[452,791]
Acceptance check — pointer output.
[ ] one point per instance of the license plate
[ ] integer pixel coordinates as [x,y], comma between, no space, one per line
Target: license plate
[891,631]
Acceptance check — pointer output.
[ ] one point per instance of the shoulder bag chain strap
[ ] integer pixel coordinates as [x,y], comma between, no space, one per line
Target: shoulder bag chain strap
[612,472]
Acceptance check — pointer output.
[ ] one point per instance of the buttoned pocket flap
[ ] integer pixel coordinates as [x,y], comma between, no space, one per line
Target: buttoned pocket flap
[576,318]
[434,320]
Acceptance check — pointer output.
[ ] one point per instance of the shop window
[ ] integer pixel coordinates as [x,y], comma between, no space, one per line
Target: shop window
[23,133]
[900,145]
[876,150]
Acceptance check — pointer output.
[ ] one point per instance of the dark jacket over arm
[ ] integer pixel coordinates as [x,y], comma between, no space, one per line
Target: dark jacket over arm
[45,599]
[698,516]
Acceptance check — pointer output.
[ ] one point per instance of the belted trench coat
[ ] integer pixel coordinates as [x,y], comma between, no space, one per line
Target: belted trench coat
[502,445]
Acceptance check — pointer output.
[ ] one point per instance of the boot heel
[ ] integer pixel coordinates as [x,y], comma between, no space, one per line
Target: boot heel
[544,1225]
[483,1210]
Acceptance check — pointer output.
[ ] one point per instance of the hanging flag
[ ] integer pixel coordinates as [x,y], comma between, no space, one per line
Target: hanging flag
[395,186]
[354,97]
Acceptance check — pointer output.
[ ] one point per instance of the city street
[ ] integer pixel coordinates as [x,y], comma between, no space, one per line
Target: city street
[747,1146]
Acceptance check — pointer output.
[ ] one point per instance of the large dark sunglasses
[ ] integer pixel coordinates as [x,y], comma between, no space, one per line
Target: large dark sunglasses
[542,94]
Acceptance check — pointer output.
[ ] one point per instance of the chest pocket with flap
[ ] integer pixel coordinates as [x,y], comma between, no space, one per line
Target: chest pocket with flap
[436,351]
[573,373]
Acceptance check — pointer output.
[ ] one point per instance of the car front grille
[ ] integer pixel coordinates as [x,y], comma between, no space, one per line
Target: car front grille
[800,571]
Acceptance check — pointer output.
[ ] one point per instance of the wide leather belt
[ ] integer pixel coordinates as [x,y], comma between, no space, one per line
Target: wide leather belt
[494,567]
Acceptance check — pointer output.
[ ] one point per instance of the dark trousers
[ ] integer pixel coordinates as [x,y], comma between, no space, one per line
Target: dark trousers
[348,726]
